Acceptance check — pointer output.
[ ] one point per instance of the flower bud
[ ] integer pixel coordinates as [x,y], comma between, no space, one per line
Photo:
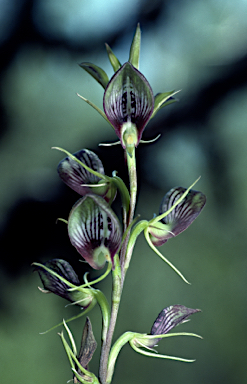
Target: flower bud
[128,104]
[94,230]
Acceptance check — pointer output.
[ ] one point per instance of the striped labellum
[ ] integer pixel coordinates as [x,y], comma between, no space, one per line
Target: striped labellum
[94,230]
[180,217]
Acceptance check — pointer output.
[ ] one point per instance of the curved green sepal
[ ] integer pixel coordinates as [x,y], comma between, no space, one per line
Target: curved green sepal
[96,108]
[70,319]
[163,99]
[113,59]
[89,283]
[135,48]
[135,343]
[147,236]
[100,175]
[56,275]
[102,301]
[96,72]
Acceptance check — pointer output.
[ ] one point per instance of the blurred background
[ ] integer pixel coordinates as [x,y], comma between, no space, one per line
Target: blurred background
[196,46]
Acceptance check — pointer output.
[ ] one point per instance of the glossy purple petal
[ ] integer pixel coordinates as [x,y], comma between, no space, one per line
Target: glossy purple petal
[128,98]
[94,230]
[74,175]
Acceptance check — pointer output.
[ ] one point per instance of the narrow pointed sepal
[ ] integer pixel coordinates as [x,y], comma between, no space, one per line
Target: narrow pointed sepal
[163,99]
[94,230]
[96,72]
[113,59]
[180,218]
[128,104]
[135,48]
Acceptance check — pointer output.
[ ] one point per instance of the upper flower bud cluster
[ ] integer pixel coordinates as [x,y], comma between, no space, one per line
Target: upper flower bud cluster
[128,99]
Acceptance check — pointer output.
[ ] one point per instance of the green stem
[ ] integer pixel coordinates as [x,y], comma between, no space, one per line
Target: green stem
[131,163]
[106,345]
[118,274]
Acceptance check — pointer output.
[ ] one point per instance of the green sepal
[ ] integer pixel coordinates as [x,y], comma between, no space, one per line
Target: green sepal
[147,236]
[163,99]
[113,59]
[135,48]
[137,342]
[96,72]
[102,114]
[70,319]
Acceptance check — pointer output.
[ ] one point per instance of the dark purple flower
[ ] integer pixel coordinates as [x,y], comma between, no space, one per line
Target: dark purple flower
[83,181]
[58,276]
[94,230]
[128,104]
[179,218]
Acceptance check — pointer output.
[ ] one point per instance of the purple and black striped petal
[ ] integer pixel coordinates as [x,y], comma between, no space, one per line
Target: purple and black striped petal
[75,176]
[94,230]
[128,98]
[169,318]
[54,284]
[180,217]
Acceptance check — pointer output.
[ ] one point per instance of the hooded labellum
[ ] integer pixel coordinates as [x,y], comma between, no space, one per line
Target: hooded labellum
[180,217]
[170,317]
[78,178]
[94,230]
[56,285]
[128,104]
